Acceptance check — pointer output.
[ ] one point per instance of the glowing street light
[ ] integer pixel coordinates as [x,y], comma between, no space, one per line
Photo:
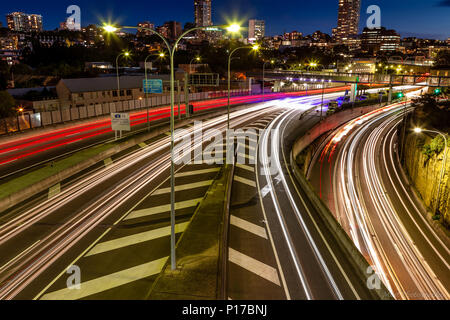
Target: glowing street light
[264,79]
[172,48]
[233,28]
[160,55]
[126,54]
[444,161]
[254,48]
[110,28]
[198,59]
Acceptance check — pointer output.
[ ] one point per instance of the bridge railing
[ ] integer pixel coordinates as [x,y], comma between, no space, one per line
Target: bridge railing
[375,78]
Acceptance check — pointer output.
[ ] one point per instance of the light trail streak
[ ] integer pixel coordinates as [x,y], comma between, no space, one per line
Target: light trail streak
[348,192]
[274,143]
[66,236]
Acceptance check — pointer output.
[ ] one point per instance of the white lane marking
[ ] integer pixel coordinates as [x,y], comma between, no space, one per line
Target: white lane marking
[109,281]
[264,191]
[183,187]
[244,155]
[63,272]
[248,182]
[196,172]
[108,162]
[297,211]
[214,161]
[257,267]
[248,226]
[143,145]
[161,209]
[135,239]
[275,252]
[54,190]
[245,167]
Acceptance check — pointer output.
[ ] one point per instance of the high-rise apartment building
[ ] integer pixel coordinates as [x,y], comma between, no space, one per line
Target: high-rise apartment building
[143,32]
[173,29]
[256,29]
[202,9]
[19,21]
[348,20]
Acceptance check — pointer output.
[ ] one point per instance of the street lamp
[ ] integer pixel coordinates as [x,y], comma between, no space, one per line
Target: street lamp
[161,55]
[126,54]
[264,79]
[444,160]
[233,28]
[171,49]
[323,91]
[255,48]
[190,63]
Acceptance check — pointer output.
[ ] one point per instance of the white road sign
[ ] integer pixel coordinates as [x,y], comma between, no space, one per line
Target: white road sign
[120,122]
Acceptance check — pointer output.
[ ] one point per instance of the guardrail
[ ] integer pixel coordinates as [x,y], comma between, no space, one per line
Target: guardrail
[346,77]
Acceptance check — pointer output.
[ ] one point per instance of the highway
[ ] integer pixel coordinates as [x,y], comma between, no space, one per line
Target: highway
[112,223]
[123,207]
[22,152]
[357,173]
[278,247]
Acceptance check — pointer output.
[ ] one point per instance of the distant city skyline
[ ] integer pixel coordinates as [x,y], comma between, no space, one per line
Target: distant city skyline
[424,19]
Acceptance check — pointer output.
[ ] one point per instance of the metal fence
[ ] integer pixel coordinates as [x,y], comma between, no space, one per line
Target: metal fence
[28,121]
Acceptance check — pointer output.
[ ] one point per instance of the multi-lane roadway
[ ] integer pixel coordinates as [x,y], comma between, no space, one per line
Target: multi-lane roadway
[279,246]
[358,174]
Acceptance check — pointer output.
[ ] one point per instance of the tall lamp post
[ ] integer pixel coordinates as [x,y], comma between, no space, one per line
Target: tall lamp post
[444,160]
[264,79]
[172,49]
[161,55]
[192,60]
[126,54]
[254,47]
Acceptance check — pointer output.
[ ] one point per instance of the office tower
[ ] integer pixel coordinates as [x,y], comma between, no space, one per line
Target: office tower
[202,9]
[348,20]
[256,30]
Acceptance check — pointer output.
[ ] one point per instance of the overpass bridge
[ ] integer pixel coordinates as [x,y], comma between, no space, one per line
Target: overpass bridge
[351,78]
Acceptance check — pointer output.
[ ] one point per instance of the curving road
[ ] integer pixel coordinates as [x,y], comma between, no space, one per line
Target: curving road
[358,174]
[121,206]
[279,247]
[25,151]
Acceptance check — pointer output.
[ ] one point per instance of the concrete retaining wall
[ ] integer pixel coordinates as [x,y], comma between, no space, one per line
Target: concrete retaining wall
[355,257]
[329,123]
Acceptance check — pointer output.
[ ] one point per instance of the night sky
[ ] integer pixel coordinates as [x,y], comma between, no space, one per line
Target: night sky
[421,18]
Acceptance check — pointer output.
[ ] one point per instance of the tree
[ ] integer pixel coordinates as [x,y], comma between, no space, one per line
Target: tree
[7,105]
[4,75]
[442,58]
[188,26]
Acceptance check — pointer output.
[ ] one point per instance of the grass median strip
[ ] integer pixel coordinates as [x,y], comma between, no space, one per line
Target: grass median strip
[35,176]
